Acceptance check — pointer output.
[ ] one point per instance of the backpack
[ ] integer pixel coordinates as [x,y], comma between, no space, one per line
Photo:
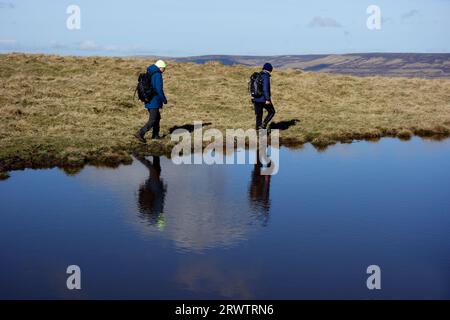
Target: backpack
[144,87]
[255,85]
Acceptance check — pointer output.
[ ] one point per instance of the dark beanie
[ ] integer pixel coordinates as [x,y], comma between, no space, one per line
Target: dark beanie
[268,67]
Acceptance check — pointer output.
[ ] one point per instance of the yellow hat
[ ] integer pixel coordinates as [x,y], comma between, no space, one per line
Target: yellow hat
[160,64]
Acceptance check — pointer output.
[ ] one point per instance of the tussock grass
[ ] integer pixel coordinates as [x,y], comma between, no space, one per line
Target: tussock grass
[68,111]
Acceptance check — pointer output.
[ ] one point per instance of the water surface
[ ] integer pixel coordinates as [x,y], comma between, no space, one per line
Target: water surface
[154,230]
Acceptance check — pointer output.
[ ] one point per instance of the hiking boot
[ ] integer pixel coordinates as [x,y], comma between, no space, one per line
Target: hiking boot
[138,136]
[262,127]
[156,138]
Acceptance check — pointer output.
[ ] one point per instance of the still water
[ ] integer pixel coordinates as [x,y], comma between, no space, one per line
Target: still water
[154,230]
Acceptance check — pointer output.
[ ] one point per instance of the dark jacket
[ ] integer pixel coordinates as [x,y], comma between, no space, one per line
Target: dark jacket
[157,83]
[266,88]
[151,194]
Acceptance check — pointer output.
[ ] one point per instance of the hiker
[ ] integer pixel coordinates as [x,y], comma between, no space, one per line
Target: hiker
[263,99]
[151,193]
[155,101]
[259,190]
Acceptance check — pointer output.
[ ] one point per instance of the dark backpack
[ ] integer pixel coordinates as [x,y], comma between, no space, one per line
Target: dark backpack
[144,87]
[255,85]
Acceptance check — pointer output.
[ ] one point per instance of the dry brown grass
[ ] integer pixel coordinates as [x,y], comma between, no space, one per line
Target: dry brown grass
[71,111]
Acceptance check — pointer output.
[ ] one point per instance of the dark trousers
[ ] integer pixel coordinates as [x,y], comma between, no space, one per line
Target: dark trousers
[259,109]
[153,123]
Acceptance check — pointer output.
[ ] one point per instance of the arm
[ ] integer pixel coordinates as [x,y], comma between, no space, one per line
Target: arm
[266,88]
[158,86]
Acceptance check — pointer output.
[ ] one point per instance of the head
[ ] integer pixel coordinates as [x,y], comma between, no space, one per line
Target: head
[268,67]
[161,65]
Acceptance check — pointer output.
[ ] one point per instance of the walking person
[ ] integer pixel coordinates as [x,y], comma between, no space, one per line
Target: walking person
[156,101]
[263,99]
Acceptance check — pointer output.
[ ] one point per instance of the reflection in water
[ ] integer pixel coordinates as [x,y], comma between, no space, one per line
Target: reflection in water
[199,212]
[206,276]
[152,193]
[259,192]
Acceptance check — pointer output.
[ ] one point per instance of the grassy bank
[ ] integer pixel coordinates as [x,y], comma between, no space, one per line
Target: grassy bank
[69,111]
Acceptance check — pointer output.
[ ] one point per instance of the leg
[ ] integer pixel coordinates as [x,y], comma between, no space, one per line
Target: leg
[146,126]
[157,116]
[270,113]
[259,114]
[151,122]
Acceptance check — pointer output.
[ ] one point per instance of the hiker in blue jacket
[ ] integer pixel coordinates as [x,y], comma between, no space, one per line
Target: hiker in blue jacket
[265,101]
[156,70]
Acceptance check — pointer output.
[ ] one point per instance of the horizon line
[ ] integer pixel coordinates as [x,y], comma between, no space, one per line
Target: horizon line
[219,54]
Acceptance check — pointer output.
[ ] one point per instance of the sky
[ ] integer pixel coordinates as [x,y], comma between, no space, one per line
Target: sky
[237,27]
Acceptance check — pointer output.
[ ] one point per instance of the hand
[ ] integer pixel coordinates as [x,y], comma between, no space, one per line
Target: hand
[268,102]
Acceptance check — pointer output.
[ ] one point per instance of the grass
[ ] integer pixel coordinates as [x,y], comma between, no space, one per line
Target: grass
[4,175]
[69,111]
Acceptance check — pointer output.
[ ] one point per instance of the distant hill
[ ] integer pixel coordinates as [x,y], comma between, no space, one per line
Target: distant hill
[425,65]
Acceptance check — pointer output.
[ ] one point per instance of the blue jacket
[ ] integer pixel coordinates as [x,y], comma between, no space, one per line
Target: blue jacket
[157,82]
[266,88]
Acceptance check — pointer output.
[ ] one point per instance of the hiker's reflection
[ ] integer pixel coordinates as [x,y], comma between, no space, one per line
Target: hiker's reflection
[152,193]
[259,192]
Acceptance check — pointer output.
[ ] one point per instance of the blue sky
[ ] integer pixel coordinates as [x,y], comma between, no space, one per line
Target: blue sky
[196,27]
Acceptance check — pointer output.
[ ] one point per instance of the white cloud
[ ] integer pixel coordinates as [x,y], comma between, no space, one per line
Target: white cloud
[57,45]
[8,44]
[324,22]
[410,14]
[88,45]
[7,5]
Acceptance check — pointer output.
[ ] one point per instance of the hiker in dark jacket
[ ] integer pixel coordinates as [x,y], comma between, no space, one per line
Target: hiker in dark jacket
[265,101]
[156,103]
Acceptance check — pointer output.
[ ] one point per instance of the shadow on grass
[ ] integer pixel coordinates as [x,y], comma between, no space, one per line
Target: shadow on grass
[188,127]
[284,125]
